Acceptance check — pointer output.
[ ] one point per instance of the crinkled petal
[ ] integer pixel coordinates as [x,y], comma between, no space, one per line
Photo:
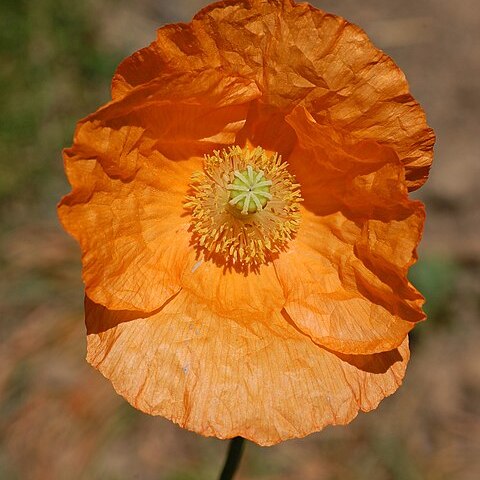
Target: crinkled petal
[130,168]
[296,54]
[344,276]
[224,377]
[267,127]
[235,294]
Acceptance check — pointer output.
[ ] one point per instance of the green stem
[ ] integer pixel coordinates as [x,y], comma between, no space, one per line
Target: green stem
[235,450]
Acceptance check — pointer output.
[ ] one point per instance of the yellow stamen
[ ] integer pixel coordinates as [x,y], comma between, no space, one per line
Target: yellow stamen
[244,206]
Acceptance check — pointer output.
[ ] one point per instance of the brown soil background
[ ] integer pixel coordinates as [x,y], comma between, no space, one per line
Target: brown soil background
[60,419]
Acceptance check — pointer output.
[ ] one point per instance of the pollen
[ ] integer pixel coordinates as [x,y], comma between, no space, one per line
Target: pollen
[244,205]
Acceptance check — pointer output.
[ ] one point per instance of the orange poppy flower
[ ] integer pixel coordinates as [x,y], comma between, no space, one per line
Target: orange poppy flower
[242,209]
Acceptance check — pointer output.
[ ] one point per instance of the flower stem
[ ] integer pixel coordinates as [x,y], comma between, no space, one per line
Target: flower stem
[235,450]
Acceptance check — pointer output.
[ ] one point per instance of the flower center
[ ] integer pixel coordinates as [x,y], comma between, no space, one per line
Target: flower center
[244,206]
[250,190]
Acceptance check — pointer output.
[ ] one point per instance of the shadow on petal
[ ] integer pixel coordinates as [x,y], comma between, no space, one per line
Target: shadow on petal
[99,319]
[266,126]
[377,363]
[373,363]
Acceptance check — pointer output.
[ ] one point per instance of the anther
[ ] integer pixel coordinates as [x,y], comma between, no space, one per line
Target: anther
[227,205]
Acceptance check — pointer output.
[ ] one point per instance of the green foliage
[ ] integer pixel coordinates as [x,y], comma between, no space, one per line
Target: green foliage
[395,458]
[54,70]
[435,278]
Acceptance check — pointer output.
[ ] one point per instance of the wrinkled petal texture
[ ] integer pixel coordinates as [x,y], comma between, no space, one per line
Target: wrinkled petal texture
[344,276]
[320,332]
[296,54]
[264,381]
[130,167]
[234,294]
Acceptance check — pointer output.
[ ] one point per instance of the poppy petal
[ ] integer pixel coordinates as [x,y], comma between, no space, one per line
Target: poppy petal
[268,381]
[235,294]
[130,168]
[344,276]
[296,54]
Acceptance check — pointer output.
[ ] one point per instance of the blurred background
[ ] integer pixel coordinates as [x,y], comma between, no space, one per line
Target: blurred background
[61,420]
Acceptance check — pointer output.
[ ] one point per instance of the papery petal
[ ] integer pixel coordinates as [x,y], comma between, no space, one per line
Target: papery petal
[344,276]
[130,169]
[235,294]
[264,381]
[296,54]
[267,127]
